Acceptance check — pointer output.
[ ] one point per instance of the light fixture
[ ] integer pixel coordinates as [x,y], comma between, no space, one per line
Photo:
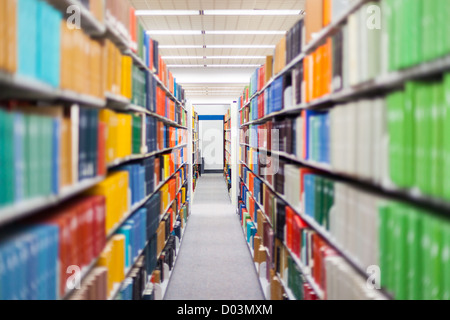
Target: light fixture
[214,66]
[252,12]
[220,46]
[238,32]
[219,12]
[215,32]
[175,32]
[211,57]
[167,12]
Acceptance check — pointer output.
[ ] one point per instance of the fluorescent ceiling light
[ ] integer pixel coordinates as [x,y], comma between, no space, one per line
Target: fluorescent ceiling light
[214,66]
[167,12]
[214,32]
[240,46]
[252,12]
[181,47]
[220,46]
[219,12]
[212,57]
[175,32]
[263,32]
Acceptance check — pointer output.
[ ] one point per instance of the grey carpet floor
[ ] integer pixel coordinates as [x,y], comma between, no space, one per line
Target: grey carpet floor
[214,262]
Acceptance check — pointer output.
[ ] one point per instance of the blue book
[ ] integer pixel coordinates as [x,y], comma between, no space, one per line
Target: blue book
[126,231]
[19,160]
[31,241]
[54,256]
[55,156]
[277,95]
[27,12]
[23,256]
[12,271]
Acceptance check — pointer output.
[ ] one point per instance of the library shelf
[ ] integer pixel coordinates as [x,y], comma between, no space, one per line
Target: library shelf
[138,61]
[84,272]
[322,232]
[302,267]
[135,157]
[13,86]
[89,23]
[384,189]
[138,205]
[113,34]
[286,288]
[118,285]
[26,208]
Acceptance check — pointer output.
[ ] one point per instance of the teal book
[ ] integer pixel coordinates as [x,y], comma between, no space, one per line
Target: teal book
[2,158]
[126,231]
[27,12]
[9,158]
[414,254]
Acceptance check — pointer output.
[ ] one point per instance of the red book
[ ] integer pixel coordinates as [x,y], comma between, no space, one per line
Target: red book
[151,58]
[133,29]
[157,172]
[86,213]
[289,227]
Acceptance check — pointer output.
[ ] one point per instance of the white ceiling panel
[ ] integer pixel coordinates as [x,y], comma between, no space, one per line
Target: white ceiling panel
[194,84]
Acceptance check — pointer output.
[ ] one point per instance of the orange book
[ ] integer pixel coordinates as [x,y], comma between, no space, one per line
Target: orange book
[11,40]
[327,4]
[314,18]
[3,34]
[133,29]
[306,78]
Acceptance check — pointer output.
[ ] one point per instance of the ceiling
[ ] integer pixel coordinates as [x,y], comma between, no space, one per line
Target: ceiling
[241,58]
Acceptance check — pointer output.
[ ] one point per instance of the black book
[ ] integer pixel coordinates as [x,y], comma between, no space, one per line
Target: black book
[337,59]
[289,135]
[279,177]
[156,56]
[281,219]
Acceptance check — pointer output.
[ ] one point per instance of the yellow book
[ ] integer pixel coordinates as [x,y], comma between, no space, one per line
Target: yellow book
[3,33]
[280,56]
[164,196]
[124,135]
[160,237]
[110,119]
[118,257]
[105,189]
[183,195]
[166,158]
[127,64]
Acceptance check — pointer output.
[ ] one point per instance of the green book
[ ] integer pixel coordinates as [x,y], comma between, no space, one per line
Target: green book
[437,140]
[440,20]
[295,281]
[36,173]
[412,32]
[396,125]
[400,253]
[423,137]
[414,254]
[428,30]
[446,139]
[426,258]
[409,141]
[403,36]
[8,162]
[47,127]
[384,212]
[445,256]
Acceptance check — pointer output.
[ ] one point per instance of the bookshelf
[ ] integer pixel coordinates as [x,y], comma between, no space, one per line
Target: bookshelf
[227,150]
[196,154]
[291,93]
[109,132]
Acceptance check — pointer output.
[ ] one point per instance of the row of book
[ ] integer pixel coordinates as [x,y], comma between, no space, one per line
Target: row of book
[70,237]
[37,36]
[125,134]
[320,273]
[355,138]
[372,230]
[320,14]
[45,149]
[36,255]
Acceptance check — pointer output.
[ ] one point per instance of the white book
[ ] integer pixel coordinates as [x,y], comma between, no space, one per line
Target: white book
[353,49]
